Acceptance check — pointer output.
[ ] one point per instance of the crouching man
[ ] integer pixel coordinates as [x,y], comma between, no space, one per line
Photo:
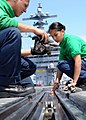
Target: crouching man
[72,58]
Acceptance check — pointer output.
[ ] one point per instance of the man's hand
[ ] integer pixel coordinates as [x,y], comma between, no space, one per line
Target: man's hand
[70,85]
[56,86]
[28,28]
[73,84]
[40,48]
[43,34]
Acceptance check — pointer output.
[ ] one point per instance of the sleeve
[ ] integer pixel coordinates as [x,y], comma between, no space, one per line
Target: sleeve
[6,21]
[75,49]
[61,55]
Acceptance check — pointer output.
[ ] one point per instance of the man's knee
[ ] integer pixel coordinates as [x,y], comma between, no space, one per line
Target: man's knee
[32,69]
[10,34]
[66,65]
[61,65]
[15,32]
[15,37]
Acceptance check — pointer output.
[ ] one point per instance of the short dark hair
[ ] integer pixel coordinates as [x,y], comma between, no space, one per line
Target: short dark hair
[56,25]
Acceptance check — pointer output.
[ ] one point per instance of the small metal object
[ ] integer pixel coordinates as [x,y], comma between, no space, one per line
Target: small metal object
[49,110]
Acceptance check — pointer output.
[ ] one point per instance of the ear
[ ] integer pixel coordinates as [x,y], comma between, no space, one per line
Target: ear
[63,30]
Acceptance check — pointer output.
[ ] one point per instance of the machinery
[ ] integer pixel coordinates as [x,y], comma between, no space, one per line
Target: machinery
[39,17]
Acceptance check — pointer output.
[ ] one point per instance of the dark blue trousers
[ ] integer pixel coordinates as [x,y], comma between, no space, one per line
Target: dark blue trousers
[28,68]
[12,66]
[67,67]
[10,55]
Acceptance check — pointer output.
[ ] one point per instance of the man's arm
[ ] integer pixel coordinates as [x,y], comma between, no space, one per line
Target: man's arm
[26,53]
[56,84]
[77,69]
[58,76]
[28,28]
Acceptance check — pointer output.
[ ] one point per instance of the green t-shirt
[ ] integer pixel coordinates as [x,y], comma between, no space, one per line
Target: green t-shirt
[71,46]
[6,15]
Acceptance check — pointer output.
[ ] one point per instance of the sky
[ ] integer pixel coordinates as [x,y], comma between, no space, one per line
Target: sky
[71,13]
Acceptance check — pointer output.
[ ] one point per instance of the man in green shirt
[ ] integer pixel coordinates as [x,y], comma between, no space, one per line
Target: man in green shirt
[72,58]
[10,42]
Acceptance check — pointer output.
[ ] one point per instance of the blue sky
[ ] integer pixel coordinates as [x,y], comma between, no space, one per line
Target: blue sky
[72,13]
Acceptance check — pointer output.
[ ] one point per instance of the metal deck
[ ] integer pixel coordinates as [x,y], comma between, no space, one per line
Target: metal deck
[41,106]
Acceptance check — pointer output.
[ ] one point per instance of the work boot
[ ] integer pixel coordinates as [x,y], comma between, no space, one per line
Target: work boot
[15,91]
